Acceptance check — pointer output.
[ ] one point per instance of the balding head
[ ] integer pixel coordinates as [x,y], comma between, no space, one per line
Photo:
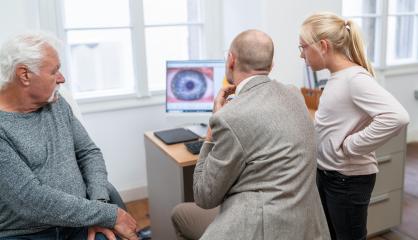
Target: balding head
[254,51]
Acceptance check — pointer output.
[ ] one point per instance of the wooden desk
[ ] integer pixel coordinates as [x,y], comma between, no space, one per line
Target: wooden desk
[176,152]
[170,182]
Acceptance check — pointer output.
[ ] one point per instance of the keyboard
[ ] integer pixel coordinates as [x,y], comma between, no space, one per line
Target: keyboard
[194,147]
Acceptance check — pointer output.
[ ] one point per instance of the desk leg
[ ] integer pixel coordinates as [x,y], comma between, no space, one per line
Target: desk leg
[166,182]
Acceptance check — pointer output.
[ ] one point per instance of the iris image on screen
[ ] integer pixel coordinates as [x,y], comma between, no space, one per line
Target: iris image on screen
[190,85]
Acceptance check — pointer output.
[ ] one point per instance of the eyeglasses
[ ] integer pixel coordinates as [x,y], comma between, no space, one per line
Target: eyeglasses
[303,46]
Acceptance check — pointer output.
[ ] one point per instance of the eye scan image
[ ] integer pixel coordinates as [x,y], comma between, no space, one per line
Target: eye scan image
[191,84]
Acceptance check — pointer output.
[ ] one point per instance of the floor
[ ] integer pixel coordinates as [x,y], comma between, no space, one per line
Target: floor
[139,211]
[408,230]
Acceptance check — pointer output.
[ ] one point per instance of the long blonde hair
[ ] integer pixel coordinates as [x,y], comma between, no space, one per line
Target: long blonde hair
[344,36]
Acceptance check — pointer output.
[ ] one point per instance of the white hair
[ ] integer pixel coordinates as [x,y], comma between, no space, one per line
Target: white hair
[27,49]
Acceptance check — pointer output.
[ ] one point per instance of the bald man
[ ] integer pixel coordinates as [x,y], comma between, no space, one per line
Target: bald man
[258,162]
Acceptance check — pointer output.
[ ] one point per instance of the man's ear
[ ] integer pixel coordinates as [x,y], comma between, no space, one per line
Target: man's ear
[22,74]
[231,61]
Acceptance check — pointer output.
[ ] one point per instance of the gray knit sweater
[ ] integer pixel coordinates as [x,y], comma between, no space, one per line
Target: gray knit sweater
[49,167]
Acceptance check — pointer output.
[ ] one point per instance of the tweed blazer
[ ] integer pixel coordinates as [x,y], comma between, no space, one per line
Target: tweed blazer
[261,167]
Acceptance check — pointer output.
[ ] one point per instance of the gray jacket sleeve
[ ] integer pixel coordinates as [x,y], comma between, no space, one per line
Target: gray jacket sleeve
[219,166]
[22,191]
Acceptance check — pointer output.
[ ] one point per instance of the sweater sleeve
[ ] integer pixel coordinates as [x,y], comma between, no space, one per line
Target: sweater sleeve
[90,161]
[387,114]
[27,197]
[219,165]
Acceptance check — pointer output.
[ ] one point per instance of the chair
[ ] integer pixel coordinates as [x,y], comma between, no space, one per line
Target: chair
[311,97]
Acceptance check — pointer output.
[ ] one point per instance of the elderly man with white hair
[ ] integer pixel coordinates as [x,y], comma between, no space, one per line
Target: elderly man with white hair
[53,177]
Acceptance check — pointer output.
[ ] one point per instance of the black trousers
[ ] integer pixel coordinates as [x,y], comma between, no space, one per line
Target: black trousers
[345,200]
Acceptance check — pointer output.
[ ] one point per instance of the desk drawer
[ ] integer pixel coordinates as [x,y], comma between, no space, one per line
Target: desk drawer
[384,211]
[391,172]
[396,144]
[390,175]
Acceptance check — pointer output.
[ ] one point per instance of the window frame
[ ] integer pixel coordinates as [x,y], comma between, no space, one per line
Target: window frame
[381,46]
[52,19]
[200,23]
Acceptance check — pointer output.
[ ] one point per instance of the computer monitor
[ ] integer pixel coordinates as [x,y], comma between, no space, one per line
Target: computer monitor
[191,86]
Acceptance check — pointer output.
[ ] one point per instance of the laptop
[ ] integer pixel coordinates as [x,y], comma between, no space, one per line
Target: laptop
[176,135]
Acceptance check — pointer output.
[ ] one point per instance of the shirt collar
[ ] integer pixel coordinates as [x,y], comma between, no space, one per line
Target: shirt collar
[242,84]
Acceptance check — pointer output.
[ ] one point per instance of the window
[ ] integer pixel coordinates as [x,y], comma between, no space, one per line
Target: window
[172,32]
[390,28]
[99,47]
[121,47]
[365,13]
[402,31]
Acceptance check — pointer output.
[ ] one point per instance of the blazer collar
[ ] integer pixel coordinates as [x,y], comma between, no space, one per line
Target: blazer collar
[254,82]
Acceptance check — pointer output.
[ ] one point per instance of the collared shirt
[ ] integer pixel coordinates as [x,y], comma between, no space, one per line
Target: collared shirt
[242,84]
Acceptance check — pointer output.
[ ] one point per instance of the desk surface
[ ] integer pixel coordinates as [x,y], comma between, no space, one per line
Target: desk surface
[176,152]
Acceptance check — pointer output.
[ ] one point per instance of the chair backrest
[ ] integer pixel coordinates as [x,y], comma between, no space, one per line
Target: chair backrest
[311,97]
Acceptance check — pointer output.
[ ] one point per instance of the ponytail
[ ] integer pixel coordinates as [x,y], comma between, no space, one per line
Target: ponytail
[355,47]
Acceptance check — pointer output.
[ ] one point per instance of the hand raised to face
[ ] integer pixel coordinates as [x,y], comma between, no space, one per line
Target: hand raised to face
[221,98]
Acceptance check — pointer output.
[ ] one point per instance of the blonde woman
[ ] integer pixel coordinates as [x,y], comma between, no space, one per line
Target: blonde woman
[355,116]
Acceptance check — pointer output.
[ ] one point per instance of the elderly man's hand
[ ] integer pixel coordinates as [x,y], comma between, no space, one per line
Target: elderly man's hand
[105,231]
[125,225]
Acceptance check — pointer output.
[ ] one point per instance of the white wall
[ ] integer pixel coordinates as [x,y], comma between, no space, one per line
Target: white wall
[240,15]
[120,133]
[402,86]
[17,16]
[282,21]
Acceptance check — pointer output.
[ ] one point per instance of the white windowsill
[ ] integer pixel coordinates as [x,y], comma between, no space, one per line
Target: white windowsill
[112,103]
[397,70]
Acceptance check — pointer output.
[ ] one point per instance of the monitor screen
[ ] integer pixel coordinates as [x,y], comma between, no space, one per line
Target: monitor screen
[191,86]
